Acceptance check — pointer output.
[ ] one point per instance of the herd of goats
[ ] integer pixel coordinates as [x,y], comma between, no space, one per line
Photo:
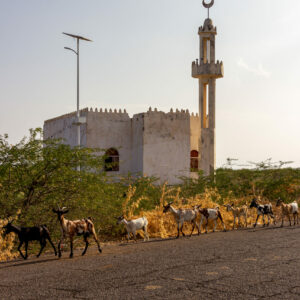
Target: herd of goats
[86,228]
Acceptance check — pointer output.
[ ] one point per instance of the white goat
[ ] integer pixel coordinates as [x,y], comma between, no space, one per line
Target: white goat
[133,225]
[181,216]
[287,210]
[238,212]
[210,214]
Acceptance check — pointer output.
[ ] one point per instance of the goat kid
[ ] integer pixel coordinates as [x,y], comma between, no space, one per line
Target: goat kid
[210,214]
[27,234]
[262,210]
[238,212]
[69,228]
[288,210]
[133,225]
[181,216]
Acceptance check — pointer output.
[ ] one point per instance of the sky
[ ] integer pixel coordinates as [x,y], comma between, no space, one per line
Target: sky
[141,56]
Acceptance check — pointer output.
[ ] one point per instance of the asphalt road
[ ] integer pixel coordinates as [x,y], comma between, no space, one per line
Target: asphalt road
[243,264]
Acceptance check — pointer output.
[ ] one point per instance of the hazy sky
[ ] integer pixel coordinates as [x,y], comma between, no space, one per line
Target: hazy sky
[141,56]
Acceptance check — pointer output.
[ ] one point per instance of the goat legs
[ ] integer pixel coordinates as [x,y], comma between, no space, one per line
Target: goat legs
[182,229]
[194,224]
[146,236]
[221,219]
[233,223]
[19,249]
[256,221]
[246,217]
[43,244]
[59,245]
[215,221]
[239,221]
[49,239]
[206,225]
[200,224]
[268,220]
[26,248]
[96,240]
[178,230]
[71,246]
[263,218]
[134,236]
[86,243]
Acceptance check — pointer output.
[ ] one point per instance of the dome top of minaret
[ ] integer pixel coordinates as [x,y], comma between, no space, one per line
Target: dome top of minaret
[208,23]
[208,26]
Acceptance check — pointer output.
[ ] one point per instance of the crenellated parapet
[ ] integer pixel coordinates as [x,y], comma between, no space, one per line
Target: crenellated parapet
[108,111]
[172,114]
[109,114]
[194,116]
[209,69]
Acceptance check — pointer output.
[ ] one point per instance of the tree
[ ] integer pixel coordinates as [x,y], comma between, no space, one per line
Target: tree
[38,174]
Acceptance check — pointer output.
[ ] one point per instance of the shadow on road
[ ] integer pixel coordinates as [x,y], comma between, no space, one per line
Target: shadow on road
[147,242]
[17,263]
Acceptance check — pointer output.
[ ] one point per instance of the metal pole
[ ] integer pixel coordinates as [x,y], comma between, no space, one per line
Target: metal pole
[78,113]
[78,120]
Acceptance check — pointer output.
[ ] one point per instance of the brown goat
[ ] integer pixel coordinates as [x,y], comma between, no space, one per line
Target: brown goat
[83,227]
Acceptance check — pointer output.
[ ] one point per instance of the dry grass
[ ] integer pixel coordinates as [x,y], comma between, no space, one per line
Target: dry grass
[6,244]
[163,225]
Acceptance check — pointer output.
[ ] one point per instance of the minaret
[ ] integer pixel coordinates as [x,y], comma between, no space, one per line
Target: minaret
[207,70]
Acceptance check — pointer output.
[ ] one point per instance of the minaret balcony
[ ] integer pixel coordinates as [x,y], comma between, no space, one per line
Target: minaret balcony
[212,69]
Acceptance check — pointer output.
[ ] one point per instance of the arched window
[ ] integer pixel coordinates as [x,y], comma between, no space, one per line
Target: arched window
[111,160]
[194,160]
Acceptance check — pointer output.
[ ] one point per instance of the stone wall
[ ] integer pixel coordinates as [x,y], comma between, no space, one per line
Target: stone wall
[152,143]
[167,145]
[111,129]
[137,137]
[63,127]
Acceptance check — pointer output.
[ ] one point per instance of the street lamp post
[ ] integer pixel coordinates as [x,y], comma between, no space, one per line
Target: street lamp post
[79,120]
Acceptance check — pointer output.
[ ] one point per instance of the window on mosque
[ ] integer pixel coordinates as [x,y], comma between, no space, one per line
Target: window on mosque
[194,161]
[111,160]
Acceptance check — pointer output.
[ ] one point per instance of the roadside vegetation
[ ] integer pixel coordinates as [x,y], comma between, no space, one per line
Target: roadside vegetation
[37,175]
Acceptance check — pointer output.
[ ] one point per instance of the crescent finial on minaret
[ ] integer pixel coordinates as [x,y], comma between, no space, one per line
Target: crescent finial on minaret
[208,5]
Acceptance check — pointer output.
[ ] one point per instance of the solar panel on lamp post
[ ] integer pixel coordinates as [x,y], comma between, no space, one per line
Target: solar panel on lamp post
[79,120]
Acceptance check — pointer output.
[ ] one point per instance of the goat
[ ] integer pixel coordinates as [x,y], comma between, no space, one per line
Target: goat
[210,214]
[262,210]
[26,234]
[287,210]
[181,216]
[83,227]
[237,212]
[133,225]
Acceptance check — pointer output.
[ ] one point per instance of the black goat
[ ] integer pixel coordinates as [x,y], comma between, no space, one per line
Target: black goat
[26,234]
